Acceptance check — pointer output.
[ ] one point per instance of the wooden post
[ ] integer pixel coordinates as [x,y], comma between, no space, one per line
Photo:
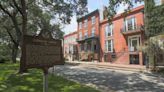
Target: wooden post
[45,80]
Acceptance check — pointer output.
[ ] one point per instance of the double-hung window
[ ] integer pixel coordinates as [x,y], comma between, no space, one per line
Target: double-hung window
[80,25]
[93,20]
[93,31]
[109,45]
[109,30]
[86,34]
[80,35]
[85,23]
[130,24]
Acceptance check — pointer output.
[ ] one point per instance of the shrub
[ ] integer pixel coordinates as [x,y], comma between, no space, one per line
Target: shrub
[5,53]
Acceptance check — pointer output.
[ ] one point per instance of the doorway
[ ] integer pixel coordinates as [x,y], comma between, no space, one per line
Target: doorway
[134,43]
[134,59]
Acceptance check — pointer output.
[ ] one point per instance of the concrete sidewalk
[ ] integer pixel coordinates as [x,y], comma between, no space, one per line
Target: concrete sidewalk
[106,65]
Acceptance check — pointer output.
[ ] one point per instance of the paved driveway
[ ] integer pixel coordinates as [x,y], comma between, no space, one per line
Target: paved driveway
[111,81]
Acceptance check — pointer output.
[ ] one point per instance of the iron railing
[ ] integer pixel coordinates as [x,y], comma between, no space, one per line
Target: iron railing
[132,29]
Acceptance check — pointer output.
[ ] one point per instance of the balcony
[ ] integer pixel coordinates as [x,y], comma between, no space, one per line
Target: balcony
[92,36]
[132,30]
[80,39]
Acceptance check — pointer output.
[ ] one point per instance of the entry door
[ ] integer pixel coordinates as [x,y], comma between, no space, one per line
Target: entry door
[134,43]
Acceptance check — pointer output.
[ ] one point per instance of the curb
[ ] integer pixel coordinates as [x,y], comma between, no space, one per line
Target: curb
[102,66]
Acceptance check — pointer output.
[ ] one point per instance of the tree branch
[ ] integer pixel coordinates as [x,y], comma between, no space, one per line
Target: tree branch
[30,3]
[5,11]
[11,37]
[24,16]
[18,8]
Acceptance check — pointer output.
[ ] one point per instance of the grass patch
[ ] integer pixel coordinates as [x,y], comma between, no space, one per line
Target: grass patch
[10,81]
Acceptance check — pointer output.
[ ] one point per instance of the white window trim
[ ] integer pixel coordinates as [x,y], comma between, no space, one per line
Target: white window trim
[134,23]
[107,29]
[80,35]
[137,36]
[93,19]
[86,23]
[80,25]
[112,45]
[86,34]
[93,31]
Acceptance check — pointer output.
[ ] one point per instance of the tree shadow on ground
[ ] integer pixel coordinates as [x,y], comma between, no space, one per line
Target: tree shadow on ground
[10,81]
[110,81]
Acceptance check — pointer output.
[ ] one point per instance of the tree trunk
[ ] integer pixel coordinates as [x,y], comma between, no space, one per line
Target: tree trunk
[14,52]
[24,31]
[146,17]
[155,60]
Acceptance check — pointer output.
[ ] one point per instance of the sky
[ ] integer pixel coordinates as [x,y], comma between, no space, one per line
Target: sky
[92,5]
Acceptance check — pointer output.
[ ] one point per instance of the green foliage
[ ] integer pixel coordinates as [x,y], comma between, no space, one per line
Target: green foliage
[155,20]
[154,49]
[39,14]
[27,17]
[5,43]
[32,82]
[114,4]
[4,52]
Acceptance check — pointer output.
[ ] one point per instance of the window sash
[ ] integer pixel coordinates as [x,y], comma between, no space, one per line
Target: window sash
[80,25]
[93,20]
[93,32]
[109,45]
[85,23]
[86,34]
[130,24]
[109,30]
[80,35]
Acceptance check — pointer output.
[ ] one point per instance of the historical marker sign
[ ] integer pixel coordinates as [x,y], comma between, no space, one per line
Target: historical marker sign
[39,52]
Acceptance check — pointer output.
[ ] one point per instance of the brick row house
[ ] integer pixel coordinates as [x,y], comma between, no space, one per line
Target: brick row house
[121,38]
[118,42]
[70,46]
[88,36]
